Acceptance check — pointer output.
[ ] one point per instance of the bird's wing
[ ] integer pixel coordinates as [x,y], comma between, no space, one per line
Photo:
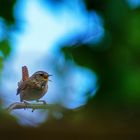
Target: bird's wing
[21,86]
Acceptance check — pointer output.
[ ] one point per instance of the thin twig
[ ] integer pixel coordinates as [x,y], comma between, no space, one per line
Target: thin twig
[34,106]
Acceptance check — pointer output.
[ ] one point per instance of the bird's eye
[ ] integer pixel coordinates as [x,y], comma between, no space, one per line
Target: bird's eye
[41,74]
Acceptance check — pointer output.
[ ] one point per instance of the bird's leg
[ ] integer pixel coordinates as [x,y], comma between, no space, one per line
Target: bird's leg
[26,103]
[43,101]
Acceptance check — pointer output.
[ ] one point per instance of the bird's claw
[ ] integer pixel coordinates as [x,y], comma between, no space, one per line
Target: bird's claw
[43,101]
[26,103]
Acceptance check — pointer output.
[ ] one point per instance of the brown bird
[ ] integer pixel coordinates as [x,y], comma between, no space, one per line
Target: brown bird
[34,87]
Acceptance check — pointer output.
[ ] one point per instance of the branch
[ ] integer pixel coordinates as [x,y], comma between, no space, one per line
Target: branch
[33,106]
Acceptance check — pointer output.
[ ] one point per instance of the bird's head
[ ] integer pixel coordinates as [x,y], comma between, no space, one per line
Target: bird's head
[41,75]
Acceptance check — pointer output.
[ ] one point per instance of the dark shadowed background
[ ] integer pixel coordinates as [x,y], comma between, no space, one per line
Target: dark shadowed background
[92,49]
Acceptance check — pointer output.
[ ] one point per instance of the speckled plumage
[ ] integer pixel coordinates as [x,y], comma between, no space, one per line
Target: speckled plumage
[33,88]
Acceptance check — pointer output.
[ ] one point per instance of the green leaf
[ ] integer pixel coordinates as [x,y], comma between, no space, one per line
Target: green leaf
[5,48]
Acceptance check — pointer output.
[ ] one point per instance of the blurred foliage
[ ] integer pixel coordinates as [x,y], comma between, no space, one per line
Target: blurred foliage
[6,10]
[116,61]
[7,18]
[5,48]
[116,58]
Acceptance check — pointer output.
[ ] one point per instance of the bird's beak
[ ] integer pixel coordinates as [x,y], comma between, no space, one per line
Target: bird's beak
[49,76]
